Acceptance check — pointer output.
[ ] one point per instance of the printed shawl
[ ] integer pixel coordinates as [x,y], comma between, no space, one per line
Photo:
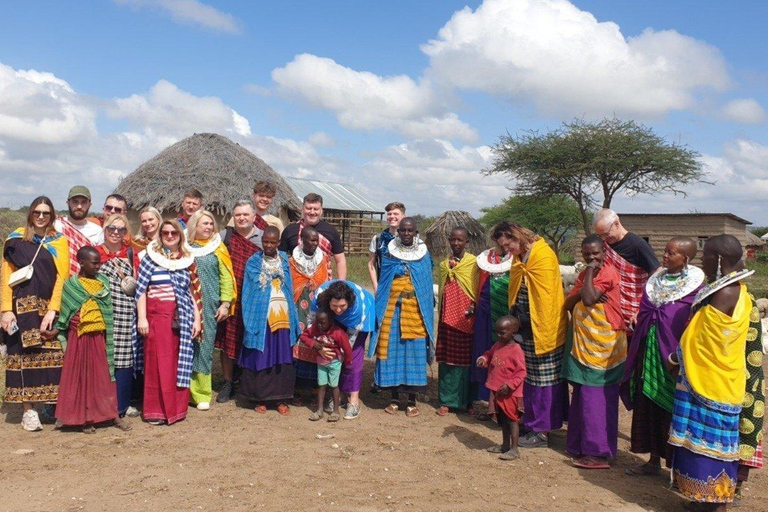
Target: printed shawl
[631,285]
[76,241]
[56,244]
[74,296]
[751,417]
[257,289]
[360,316]
[230,332]
[549,319]
[324,245]
[465,273]
[302,280]
[215,245]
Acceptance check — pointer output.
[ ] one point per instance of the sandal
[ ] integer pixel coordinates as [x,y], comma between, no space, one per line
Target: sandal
[284,410]
[392,409]
[316,416]
[442,411]
[510,455]
[122,425]
[589,462]
[497,448]
[412,411]
[333,417]
[89,429]
[261,408]
[643,470]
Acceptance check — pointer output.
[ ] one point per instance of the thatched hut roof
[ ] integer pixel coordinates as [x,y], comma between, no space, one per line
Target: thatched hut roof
[221,169]
[436,235]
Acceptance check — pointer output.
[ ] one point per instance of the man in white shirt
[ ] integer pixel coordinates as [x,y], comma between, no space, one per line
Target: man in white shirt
[76,227]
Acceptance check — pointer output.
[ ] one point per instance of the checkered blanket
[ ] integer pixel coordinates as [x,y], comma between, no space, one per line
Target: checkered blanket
[631,284]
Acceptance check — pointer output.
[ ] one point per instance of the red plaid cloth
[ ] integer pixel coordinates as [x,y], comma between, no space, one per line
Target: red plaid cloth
[757,459]
[455,332]
[324,245]
[76,241]
[259,222]
[631,284]
[229,335]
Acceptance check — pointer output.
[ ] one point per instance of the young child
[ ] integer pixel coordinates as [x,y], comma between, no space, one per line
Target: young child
[332,345]
[87,393]
[594,360]
[506,372]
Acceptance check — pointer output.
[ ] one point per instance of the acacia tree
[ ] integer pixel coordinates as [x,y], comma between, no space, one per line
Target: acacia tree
[551,217]
[587,161]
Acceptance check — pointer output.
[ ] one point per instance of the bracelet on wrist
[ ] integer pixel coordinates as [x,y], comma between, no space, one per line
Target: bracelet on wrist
[669,358]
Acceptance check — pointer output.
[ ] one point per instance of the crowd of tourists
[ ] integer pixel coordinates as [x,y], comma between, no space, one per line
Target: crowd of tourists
[103,322]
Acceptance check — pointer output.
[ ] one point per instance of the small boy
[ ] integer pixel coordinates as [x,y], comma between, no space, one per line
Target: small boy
[332,345]
[87,393]
[506,372]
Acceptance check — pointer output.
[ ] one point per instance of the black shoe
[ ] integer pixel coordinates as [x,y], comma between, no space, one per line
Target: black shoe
[226,392]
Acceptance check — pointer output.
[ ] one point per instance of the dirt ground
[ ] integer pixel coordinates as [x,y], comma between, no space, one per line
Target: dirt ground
[230,458]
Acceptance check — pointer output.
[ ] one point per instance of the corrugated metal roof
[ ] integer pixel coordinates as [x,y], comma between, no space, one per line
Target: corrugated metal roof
[336,196]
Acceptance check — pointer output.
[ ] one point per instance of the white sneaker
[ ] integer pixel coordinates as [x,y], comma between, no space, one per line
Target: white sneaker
[30,421]
[203,406]
[132,412]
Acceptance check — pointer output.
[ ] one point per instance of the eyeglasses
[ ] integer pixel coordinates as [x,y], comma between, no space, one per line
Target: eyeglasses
[39,213]
[113,209]
[169,234]
[115,229]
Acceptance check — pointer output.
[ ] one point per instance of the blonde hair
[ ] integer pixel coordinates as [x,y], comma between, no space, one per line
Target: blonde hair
[115,217]
[157,245]
[154,211]
[195,219]
[525,236]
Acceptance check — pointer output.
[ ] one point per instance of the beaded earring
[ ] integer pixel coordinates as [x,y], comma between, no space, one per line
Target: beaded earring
[719,268]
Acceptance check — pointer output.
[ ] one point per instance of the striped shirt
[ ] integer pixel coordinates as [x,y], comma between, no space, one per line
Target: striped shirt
[160,286]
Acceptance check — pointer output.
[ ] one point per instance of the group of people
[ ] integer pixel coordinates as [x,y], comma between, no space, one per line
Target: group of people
[96,318]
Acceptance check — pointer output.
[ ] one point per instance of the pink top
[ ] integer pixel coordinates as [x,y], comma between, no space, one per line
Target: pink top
[506,365]
[335,338]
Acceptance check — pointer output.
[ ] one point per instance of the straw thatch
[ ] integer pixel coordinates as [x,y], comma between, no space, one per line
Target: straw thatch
[221,169]
[436,235]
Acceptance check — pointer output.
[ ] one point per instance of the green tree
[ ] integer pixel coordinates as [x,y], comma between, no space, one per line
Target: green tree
[552,217]
[591,162]
[759,230]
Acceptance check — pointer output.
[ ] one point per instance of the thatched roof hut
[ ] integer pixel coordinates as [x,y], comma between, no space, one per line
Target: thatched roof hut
[221,169]
[436,235]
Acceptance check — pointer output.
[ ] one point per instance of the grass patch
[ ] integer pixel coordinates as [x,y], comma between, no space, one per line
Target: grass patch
[758,283]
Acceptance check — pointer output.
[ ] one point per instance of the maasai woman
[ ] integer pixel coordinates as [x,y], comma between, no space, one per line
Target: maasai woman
[492,304]
[710,387]
[404,310]
[87,395]
[217,281]
[648,389]
[120,261]
[243,241]
[594,359]
[33,367]
[536,297]
[271,327]
[168,321]
[354,309]
[309,269]
[150,220]
[456,326]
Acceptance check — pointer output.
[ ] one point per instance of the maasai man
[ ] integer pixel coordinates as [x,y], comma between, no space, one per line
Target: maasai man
[192,202]
[87,393]
[80,232]
[380,241]
[536,298]
[648,389]
[330,241]
[243,242]
[309,269]
[710,387]
[404,311]
[594,362]
[456,326]
[631,256]
[271,327]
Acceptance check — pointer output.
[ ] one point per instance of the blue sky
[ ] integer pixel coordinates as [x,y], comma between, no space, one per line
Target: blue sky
[402,98]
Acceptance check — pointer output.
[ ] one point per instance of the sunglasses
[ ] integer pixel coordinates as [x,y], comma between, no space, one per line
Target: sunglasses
[113,209]
[38,213]
[115,229]
[169,234]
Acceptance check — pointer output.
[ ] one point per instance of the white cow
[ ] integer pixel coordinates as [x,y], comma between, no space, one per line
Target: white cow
[570,273]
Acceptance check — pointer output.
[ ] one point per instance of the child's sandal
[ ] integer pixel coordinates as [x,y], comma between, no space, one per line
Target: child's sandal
[392,409]
[412,411]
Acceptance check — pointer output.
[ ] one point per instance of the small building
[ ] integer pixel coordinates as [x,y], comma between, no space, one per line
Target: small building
[436,236]
[658,228]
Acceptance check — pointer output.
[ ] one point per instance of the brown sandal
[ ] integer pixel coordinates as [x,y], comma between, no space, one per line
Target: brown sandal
[442,411]
[392,409]
[412,411]
[284,410]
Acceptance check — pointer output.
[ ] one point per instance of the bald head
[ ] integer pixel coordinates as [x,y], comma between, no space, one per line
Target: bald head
[685,245]
[726,247]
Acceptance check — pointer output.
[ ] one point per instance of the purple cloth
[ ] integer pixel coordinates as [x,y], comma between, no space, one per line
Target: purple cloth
[351,379]
[593,421]
[546,407]
[483,339]
[277,351]
[670,321]
[697,475]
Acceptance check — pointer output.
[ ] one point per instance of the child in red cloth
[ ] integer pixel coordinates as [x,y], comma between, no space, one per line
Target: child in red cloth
[332,345]
[506,372]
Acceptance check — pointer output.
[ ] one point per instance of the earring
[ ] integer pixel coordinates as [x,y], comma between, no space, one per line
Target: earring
[719,268]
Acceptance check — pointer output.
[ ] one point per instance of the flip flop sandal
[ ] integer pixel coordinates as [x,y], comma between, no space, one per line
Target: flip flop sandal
[442,411]
[89,429]
[392,409]
[412,411]
[333,417]
[261,409]
[590,463]
[316,416]
[509,455]
[495,449]
[123,425]
[643,470]
[284,410]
